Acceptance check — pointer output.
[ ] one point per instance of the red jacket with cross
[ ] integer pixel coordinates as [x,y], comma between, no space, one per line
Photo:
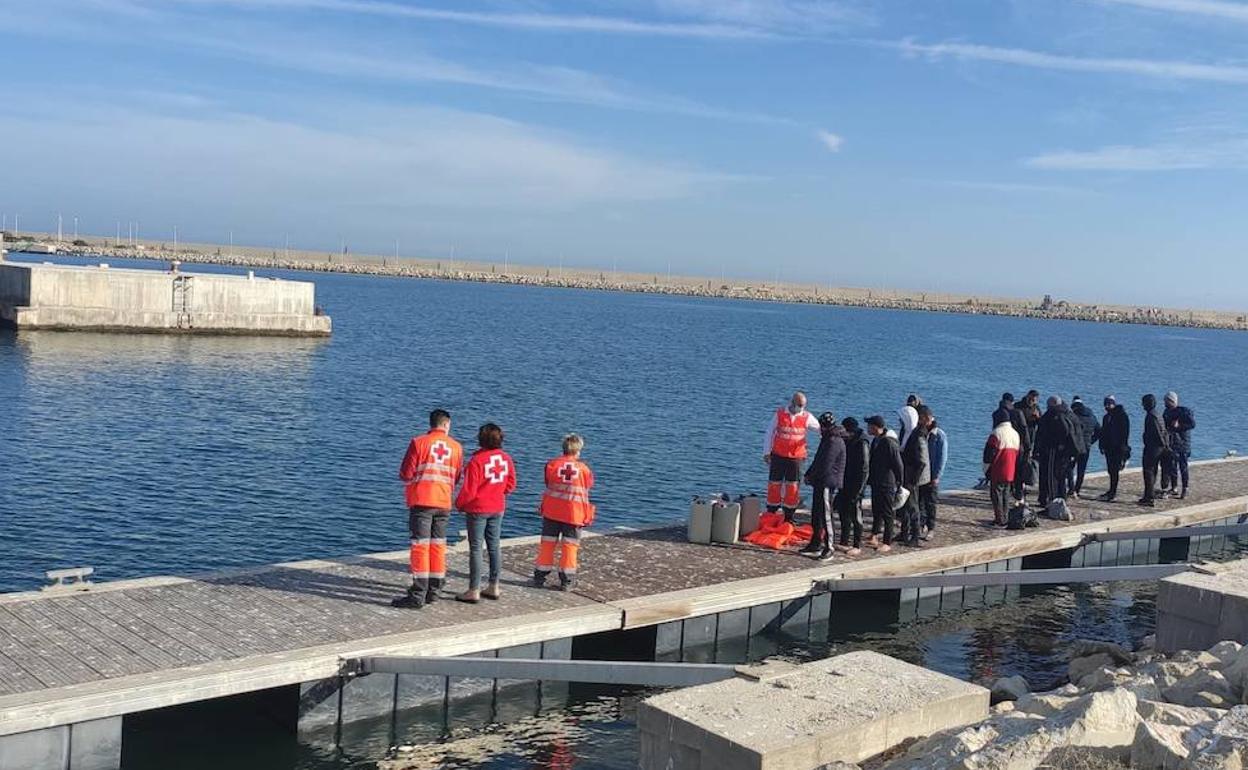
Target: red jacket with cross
[489,477]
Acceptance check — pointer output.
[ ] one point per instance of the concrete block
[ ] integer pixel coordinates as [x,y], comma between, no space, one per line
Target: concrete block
[846,708]
[35,750]
[1177,633]
[95,745]
[1195,600]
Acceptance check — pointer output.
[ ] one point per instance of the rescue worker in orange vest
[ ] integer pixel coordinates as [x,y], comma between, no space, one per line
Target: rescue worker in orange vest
[783,452]
[431,468]
[565,510]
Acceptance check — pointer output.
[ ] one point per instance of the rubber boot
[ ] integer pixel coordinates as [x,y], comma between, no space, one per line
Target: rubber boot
[539,578]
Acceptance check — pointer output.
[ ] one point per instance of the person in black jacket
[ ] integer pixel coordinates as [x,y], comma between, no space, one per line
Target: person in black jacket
[825,475]
[1156,444]
[1004,408]
[1025,418]
[1091,428]
[884,476]
[1059,439]
[849,500]
[1180,421]
[1115,443]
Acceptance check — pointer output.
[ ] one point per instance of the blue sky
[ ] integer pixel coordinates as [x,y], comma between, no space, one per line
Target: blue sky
[1089,149]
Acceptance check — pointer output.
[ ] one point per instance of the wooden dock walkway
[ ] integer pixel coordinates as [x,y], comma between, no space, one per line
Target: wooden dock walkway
[136,645]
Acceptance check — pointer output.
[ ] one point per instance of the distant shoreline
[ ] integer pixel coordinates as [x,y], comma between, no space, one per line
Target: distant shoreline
[638,283]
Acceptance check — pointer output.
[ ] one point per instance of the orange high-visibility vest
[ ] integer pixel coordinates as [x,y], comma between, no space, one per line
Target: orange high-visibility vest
[431,467]
[790,438]
[566,499]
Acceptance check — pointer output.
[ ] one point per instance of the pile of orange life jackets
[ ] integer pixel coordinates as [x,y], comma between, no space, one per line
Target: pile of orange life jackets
[774,532]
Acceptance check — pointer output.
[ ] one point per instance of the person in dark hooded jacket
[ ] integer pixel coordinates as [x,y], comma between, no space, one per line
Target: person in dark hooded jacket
[1091,428]
[1059,439]
[825,475]
[1115,443]
[1156,445]
[848,501]
[1180,421]
[1025,418]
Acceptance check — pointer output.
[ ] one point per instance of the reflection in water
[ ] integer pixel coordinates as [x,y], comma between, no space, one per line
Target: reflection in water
[67,353]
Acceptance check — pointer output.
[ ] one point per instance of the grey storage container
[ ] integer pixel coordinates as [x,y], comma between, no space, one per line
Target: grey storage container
[751,510]
[700,521]
[725,521]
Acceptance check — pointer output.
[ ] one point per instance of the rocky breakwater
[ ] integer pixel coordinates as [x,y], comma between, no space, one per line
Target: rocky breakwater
[1142,709]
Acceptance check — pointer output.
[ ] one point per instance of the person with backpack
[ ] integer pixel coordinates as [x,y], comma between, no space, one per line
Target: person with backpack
[849,500]
[884,476]
[1180,421]
[824,476]
[1025,418]
[1000,465]
[1156,445]
[1115,442]
[1091,429]
[917,467]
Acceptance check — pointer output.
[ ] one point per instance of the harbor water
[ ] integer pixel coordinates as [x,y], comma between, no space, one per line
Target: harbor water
[153,454]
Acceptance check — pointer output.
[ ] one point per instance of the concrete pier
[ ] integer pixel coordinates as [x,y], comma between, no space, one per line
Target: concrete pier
[82,659]
[843,709]
[100,298]
[1196,610]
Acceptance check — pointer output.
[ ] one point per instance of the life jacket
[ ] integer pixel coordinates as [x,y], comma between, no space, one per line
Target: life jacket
[434,461]
[790,436]
[566,498]
[776,533]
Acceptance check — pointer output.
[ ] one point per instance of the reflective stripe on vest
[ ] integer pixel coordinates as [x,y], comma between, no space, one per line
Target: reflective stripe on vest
[568,501]
[790,437]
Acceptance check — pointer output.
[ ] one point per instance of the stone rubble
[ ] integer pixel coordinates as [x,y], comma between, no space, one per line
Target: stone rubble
[1184,711]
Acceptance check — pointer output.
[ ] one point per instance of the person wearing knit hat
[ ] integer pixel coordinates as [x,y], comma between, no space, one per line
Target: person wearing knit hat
[1179,422]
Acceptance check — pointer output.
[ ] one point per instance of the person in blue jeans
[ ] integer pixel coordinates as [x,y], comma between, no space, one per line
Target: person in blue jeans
[488,478]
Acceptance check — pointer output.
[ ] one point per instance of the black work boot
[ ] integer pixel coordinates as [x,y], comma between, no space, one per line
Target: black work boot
[539,578]
[566,582]
[411,600]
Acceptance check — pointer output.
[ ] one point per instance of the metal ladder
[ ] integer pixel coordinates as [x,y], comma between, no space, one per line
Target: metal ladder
[182,296]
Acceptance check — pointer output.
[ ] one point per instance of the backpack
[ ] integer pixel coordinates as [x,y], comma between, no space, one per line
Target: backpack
[1021,517]
[1058,510]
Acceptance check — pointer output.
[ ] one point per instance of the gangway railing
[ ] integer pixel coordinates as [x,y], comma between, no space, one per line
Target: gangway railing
[1016,578]
[585,671]
[1170,532]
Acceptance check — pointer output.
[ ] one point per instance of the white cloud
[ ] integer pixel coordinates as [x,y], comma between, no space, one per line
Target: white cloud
[799,17]
[1214,9]
[1012,187]
[830,140]
[1171,156]
[1150,68]
[379,156]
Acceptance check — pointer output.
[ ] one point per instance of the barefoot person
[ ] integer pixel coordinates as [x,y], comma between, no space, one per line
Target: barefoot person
[431,468]
[489,477]
[565,510]
[884,477]
[784,449]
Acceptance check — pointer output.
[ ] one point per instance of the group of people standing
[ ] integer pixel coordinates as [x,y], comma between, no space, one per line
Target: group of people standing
[902,468]
[433,467]
[1050,449]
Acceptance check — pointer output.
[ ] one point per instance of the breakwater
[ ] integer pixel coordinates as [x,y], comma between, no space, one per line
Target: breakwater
[1047,307]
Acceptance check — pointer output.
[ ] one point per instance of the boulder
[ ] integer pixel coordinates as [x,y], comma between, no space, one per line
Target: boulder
[1168,673]
[1162,713]
[1233,724]
[1102,719]
[1236,672]
[1163,747]
[1082,666]
[1200,658]
[1226,651]
[1086,647]
[1045,704]
[1066,689]
[1203,688]
[1009,688]
[1004,707]
[1147,643]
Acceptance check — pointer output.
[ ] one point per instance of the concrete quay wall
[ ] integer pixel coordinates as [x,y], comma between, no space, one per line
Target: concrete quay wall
[99,298]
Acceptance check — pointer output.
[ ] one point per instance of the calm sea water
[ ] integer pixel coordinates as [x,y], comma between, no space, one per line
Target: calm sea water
[151,454]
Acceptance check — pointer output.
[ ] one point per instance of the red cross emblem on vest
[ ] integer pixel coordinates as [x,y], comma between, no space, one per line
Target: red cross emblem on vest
[440,451]
[496,469]
[568,473]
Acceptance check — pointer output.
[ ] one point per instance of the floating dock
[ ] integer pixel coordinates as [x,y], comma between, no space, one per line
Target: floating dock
[76,665]
[102,298]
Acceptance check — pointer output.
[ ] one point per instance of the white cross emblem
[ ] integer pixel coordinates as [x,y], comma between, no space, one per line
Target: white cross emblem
[440,452]
[496,469]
